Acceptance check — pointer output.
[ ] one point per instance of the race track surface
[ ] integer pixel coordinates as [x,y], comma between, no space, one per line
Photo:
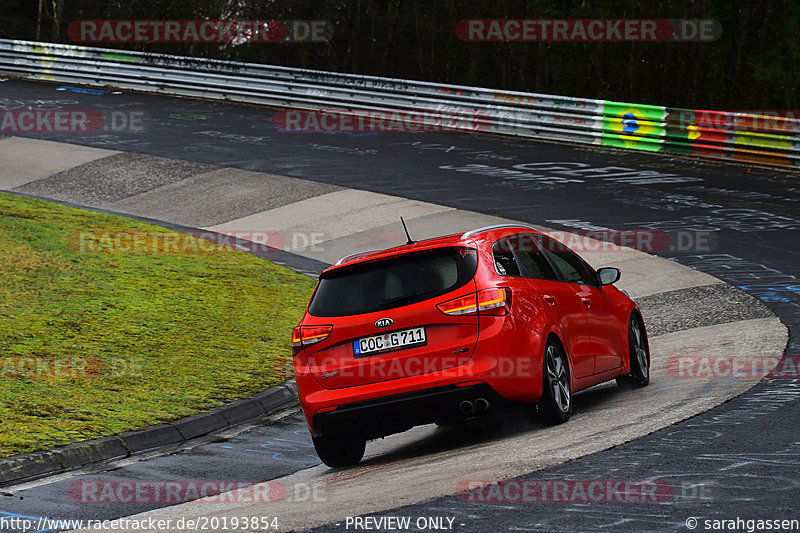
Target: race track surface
[225,167]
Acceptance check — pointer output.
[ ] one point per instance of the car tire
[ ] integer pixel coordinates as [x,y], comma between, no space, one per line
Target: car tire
[639,354]
[555,406]
[340,450]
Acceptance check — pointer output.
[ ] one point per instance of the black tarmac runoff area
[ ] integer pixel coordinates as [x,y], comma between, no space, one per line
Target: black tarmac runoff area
[740,460]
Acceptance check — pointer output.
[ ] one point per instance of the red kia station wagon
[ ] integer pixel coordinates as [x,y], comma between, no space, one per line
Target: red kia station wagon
[446,328]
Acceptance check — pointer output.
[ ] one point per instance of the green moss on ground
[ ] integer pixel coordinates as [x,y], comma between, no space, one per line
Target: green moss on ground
[97,343]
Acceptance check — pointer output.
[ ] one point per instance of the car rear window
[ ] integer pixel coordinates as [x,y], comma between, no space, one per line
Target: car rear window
[393,282]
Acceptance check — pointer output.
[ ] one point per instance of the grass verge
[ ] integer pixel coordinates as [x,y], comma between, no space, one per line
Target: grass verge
[94,344]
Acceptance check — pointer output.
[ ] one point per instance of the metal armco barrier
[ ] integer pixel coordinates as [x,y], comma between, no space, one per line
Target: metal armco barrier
[763,139]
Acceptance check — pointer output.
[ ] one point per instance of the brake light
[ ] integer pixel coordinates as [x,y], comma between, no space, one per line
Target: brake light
[459,306]
[490,301]
[305,335]
[297,338]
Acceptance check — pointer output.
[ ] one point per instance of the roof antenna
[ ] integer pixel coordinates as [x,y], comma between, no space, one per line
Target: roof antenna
[407,235]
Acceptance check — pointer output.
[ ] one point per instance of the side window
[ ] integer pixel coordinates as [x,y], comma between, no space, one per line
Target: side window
[530,256]
[504,261]
[573,268]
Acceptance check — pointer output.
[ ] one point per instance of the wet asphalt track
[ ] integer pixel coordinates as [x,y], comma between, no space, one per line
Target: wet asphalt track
[740,459]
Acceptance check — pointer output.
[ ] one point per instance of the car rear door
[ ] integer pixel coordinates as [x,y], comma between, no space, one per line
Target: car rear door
[386,324]
[562,300]
[601,318]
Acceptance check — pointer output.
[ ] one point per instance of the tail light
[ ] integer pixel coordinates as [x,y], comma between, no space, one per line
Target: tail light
[305,335]
[460,306]
[495,301]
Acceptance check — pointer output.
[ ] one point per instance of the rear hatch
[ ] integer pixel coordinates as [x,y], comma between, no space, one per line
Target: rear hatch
[386,323]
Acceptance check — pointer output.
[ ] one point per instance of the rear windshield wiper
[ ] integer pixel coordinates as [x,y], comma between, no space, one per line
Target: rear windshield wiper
[392,301]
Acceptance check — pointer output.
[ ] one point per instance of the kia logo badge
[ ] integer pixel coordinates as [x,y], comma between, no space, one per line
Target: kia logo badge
[384,323]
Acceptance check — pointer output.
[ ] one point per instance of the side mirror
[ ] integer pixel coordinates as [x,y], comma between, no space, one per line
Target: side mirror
[608,275]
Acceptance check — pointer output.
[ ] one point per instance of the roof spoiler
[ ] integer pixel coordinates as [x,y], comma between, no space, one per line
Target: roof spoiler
[472,233]
[352,257]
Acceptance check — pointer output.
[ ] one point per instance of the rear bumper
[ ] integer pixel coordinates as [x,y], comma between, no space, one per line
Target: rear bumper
[506,364]
[392,414]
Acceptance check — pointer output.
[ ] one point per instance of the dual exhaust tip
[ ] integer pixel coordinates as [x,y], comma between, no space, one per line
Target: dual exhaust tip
[478,405]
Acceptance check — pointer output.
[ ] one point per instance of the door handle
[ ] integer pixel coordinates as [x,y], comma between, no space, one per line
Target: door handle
[587,302]
[549,299]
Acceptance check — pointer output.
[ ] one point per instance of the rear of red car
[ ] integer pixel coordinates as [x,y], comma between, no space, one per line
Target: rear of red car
[406,337]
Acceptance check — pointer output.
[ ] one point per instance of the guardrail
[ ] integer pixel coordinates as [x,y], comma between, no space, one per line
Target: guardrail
[755,138]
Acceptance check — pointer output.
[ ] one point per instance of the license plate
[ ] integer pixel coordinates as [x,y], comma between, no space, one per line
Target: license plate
[386,342]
